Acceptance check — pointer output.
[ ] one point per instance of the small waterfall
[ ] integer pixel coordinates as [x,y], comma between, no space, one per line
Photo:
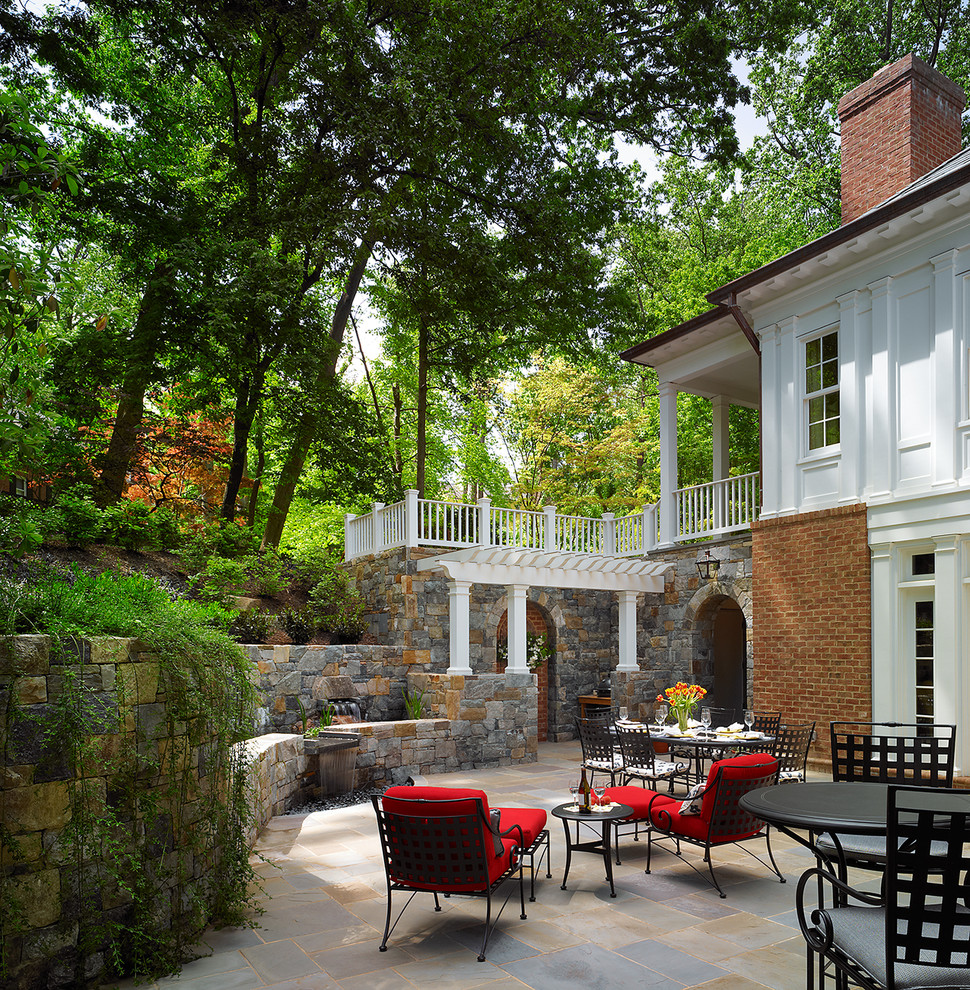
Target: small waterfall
[351,708]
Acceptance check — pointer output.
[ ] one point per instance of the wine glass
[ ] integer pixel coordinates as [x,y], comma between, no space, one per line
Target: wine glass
[706,720]
[623,713]
[660,712]
[748,718]
[598,791]
[574,791]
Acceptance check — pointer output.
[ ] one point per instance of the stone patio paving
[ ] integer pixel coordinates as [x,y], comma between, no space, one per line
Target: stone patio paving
[325,900]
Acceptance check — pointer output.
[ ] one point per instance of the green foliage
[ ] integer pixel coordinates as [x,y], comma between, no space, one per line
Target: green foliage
[314,563]
[24,526]
[266,571]
[219,579]
[328,712]
[413,703]
[299,624]
[251,626]
[222,539]
[313,528]
[338,607]
[130,524]
[82,522]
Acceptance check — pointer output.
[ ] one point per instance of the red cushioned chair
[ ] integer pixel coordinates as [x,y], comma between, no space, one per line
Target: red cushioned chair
[446,840]
[720,819]
[638,798]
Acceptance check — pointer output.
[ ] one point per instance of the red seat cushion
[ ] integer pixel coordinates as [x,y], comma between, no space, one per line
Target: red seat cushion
[531,820]
[692,825]
[638,798]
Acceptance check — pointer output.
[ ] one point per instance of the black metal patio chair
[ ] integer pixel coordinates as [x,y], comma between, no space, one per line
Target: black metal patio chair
[601,751]
[915,933]
[915,753]
[791,747]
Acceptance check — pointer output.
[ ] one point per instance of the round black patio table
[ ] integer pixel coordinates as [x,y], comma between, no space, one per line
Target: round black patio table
[706,744]
[603,818]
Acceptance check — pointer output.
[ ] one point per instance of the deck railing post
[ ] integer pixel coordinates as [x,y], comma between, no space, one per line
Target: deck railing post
[377,530]
[411,517]
[609,534]
[485,521]
[348,519]
[549,527]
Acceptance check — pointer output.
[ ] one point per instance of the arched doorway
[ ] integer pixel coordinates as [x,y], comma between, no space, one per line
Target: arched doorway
[535,625]
[730,651]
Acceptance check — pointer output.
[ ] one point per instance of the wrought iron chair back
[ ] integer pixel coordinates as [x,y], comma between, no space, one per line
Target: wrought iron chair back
[601,753]
[916,932]
[791,748]
[640,758]
[446,847]
[890,752]
[766,722]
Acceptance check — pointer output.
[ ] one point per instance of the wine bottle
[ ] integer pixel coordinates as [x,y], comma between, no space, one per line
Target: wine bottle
[584,804]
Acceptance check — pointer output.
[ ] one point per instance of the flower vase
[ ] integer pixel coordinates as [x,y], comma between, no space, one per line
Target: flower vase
[683,714]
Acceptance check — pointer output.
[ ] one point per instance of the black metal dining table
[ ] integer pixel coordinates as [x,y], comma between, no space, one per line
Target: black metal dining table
[833,807]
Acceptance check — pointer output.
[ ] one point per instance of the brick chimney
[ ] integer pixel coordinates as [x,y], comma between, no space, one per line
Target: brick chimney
[897,126]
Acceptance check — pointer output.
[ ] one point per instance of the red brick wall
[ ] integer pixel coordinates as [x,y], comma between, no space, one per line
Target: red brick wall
[811,626]
[896,126]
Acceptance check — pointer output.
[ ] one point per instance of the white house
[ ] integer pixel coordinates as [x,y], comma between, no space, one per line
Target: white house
[856,350]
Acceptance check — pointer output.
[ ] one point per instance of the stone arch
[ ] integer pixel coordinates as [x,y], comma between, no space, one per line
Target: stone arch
[540,608]
[699,620]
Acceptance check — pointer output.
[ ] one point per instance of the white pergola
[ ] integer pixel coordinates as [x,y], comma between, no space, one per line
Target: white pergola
[518,570]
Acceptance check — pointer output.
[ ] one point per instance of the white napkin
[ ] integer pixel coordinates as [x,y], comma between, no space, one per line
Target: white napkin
[735,727]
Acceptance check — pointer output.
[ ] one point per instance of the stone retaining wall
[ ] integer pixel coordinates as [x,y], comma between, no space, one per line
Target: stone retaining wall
[116,694]
[280,776]
[475,721]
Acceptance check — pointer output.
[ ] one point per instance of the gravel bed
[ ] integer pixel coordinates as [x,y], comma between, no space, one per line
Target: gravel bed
[349,800]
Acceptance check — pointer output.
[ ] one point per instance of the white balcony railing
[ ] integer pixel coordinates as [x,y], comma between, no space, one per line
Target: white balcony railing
[704,511]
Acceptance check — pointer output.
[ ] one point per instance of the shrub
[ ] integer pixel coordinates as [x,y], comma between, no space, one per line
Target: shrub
[219,579]
[313,564]
[250,626]
[130,524]
[23,527]
[265,571]
[338,607]
[299,624]
[413,703]
[167,529]
[81,521]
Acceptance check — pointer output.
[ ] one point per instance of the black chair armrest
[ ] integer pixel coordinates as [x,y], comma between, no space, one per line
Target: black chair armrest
[818,932]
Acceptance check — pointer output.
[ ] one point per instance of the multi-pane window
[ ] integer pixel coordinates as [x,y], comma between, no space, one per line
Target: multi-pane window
[822,390]
[925,707]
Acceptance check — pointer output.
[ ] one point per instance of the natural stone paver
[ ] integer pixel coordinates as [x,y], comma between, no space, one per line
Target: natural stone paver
[577,937]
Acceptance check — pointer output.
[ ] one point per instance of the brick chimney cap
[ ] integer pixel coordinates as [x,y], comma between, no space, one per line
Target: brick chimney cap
[895,74]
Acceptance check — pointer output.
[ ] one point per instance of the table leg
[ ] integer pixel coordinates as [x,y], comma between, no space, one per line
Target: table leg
[607,857]
[569,847]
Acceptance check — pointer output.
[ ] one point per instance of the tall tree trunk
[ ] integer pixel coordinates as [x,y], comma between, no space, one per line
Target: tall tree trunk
[306,427]
[398,426]
[258,477]
[142,351]
[248,398]
[421,447]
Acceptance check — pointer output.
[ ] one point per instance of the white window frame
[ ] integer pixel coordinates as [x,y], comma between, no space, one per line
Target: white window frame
[822,392]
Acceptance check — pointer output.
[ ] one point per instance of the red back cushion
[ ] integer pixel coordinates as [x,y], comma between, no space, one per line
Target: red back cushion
[736,768]
[446,795]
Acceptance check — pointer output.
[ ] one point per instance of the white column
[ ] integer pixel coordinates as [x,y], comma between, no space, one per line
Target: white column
[609,534]
[668,463]
[887,691]
[411,517]
[628,631]
[518,663]
[721,407]
[458,627]
[851,418]
[881,454]
[485,521]
[946,640]
[946,371]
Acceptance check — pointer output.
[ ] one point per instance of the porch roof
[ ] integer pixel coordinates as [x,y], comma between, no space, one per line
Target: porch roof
[545,568]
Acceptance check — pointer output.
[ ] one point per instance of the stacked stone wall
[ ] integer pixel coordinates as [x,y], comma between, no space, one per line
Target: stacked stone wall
[123,708]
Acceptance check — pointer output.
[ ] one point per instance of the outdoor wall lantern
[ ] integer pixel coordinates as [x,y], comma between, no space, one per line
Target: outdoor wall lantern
[708,567]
